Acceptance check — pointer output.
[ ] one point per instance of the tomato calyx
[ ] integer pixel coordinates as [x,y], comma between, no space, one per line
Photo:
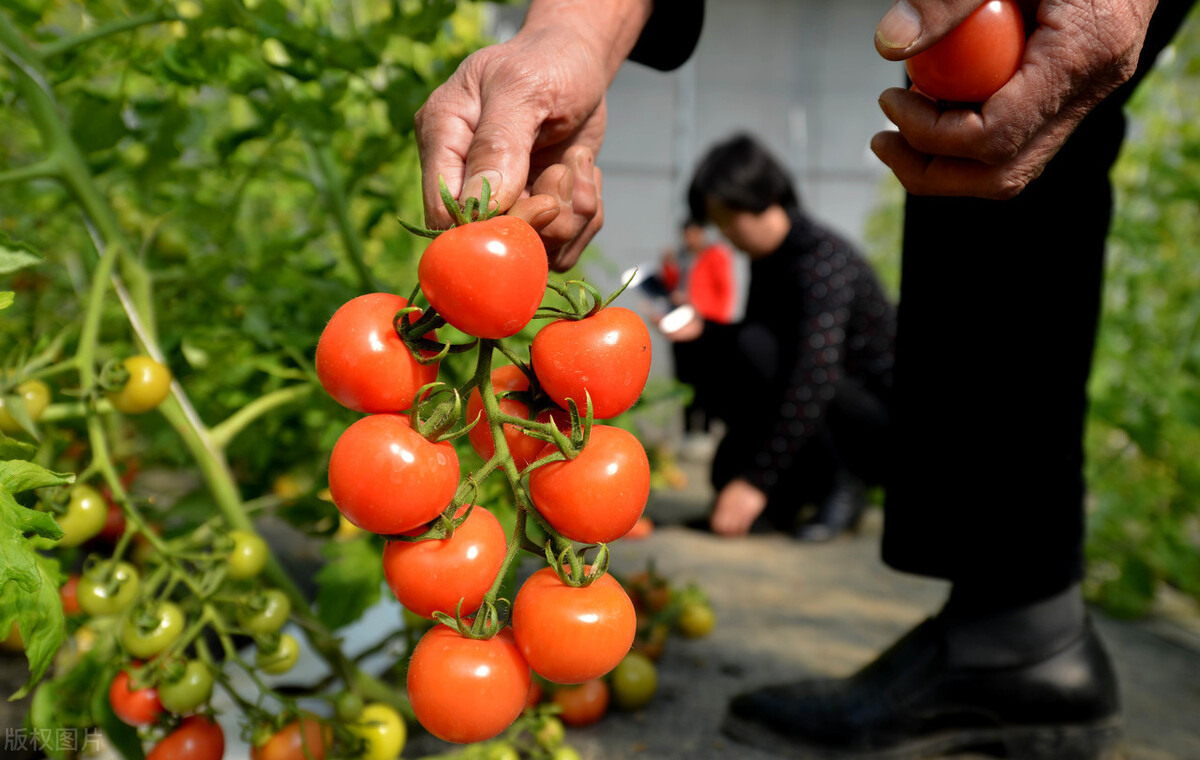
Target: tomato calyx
[485,623]
[471,210]
[571,567]
[583,299]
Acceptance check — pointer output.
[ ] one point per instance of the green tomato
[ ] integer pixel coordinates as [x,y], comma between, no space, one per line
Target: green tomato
[634,681]
[85,516]
[192,689]
[565,753]
[266,613]
[383,731]
[281,659]
[348,706]
[34,394]
[108,589]
[144,636]
[148,385]
[696,619]
[249,555]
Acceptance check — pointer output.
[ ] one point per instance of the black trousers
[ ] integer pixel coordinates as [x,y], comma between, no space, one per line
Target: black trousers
[999,303]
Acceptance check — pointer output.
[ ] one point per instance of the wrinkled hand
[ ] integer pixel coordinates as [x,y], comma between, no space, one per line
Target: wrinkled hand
[1079,53]
[738,504]
[529,115]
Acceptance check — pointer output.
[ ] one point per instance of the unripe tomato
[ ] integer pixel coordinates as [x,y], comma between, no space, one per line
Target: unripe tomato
[386,478]
[249,555]
[486,278]
[467,690]
[192,689]
[383,731]
[106,590]
[148,385]
[137,707]
[584,704]
[363,363]
[696,619]
[198,737]
[147,640]
[606,356]
[281,659]
[634,681]
[85,516]
[976,58]
[266,613]
[35,395]
[570,635]
[435,575]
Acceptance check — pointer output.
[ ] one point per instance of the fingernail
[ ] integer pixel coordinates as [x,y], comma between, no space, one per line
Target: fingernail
[900,26]
[474,185]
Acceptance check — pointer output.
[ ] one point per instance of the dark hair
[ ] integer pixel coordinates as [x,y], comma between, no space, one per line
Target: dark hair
[741,174]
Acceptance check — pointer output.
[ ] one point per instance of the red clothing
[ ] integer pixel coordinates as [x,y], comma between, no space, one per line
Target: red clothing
[712,289]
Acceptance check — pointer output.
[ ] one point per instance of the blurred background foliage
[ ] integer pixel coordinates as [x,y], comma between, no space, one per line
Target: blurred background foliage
[1143,440]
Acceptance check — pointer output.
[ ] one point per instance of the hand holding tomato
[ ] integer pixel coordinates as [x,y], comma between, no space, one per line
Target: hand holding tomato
[1076,55]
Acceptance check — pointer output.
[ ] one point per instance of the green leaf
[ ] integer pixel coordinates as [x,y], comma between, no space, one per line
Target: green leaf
[96,122]
[15,255]
[349,583]
[7,297]
[37,612]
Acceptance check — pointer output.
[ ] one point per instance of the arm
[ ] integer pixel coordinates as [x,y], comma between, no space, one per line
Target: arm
[1078,54]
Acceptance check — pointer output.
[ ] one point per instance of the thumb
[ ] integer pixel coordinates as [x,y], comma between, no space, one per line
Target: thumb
[910,26]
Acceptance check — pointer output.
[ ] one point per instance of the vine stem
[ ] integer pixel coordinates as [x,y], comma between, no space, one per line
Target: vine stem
[334,191]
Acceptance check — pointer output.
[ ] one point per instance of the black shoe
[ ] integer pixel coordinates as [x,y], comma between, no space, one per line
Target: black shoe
[841,510]
[913,702]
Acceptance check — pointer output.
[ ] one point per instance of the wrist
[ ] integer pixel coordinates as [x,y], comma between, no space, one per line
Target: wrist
[609,29]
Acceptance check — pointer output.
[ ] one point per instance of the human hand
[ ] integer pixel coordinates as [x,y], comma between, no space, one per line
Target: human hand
[681,325]
[529,115]
[738,504]
[1078,53]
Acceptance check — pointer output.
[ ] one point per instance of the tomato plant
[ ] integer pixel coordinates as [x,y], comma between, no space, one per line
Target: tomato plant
[361,360]
[388,479]
[436,575]
[582,704]
[151,631]
[605,356]
[500,303]
[976,58]
[33,395]
[84,517]
[633,681]
[108,589]
[198,737]
[467,690]
[306,737]
[137,707]
[382,730]
[249,554]
[191,689]
[148,385]
[599,495]
[550,618]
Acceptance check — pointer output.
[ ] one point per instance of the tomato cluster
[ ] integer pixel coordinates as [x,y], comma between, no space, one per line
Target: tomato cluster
[396,472]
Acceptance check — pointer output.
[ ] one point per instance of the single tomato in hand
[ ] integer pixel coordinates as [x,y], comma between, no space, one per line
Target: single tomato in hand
[976,58]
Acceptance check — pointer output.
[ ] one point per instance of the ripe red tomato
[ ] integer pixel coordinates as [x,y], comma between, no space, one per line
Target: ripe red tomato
[486,278]
[607,355]
[524,448]
[584,704]
[197,738]
[386,478]
[434,575]
[599,495]
[69,593]
[303,739]
[137,707]
[467,690]
[361,360]
[571,635]
[976,58]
